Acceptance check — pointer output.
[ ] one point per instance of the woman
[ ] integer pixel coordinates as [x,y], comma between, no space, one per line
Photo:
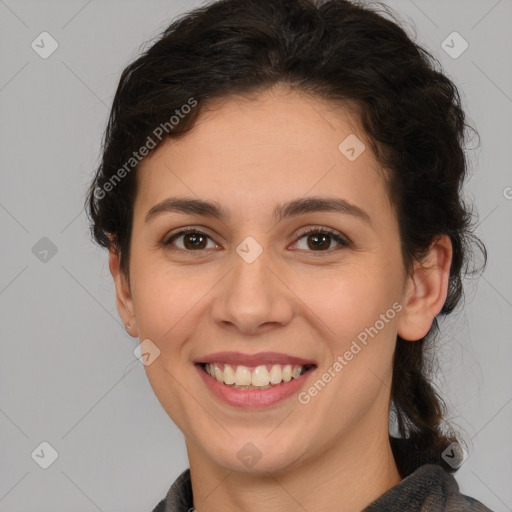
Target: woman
[280,196]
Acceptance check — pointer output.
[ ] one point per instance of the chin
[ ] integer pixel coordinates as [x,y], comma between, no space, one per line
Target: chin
[255,459]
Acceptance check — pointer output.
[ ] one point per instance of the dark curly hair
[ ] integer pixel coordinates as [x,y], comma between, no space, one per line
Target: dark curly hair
[346,53]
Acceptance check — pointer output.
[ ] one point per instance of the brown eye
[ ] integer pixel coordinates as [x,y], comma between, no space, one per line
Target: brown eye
[320,239]
[193,240]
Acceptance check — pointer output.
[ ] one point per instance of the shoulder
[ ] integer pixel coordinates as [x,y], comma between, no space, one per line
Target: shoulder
[429,488]
[179,498]
[160,507]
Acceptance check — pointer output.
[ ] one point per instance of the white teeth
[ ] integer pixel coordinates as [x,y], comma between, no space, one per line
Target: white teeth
[228,375]
[242,376]
[260,377]
[296,372]
[287,373]
[217,372]
[276,375]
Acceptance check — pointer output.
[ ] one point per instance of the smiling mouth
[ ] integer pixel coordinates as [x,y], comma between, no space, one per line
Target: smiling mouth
[256,377]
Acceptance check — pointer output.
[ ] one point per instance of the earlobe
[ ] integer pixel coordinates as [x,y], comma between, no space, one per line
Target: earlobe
[124,300]
[426,291]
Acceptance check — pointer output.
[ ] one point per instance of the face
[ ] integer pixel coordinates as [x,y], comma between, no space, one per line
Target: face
[253,281]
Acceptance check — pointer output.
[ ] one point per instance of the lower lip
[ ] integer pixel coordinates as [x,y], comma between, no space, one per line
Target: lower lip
[254,398]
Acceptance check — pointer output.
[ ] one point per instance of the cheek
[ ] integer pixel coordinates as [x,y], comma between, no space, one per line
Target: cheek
[167,301]
[360,310]
[348,300]
[155,299]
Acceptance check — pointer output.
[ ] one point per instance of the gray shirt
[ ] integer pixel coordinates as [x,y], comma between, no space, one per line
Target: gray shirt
[429,488]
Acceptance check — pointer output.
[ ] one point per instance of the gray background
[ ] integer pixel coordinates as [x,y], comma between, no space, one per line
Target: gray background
[68,374]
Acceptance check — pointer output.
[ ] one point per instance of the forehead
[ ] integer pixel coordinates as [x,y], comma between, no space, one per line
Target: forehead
[262,150]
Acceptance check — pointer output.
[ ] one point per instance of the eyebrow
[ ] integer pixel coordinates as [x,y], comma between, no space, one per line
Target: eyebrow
[293,208]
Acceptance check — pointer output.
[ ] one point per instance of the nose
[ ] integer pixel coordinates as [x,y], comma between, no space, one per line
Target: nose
[253,297]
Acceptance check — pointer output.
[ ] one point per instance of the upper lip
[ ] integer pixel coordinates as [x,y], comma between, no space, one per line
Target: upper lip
[261,358]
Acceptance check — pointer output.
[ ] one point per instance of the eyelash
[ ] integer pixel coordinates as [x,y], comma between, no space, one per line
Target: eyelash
[336,235]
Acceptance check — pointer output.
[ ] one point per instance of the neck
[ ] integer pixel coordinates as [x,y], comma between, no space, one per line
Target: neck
[345,477]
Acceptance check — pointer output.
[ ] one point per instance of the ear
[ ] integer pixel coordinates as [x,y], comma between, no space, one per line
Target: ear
[124,301]
[426,291]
